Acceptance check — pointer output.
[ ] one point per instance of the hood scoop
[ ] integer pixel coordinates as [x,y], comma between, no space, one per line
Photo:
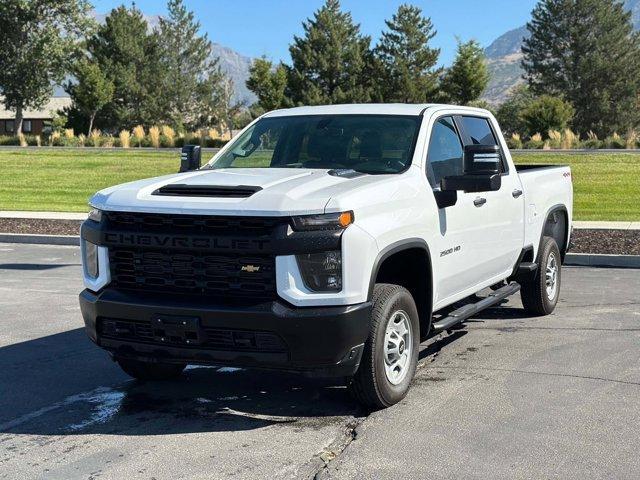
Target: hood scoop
[220,191]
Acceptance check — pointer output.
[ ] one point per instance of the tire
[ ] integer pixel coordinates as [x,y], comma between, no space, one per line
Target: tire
[536,298]
[150,370]
[374,385]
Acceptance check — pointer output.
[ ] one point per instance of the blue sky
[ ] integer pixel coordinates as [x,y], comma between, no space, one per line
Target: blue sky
[266,27]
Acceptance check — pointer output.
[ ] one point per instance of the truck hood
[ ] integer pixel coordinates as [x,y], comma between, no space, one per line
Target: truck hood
[282,191]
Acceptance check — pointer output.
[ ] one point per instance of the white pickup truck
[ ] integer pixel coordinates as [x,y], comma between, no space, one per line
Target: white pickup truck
[326,240]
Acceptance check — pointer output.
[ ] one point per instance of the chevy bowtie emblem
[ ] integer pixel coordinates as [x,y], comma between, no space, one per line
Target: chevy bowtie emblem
[250,268]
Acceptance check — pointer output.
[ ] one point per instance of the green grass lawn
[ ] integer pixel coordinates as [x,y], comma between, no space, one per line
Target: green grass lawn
[607,187]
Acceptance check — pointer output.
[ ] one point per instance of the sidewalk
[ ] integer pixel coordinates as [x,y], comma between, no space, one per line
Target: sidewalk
[44,215]
[83,216]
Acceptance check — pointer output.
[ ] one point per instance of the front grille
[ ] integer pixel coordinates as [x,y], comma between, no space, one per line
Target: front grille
[224,277]
[211,338]
[221,274]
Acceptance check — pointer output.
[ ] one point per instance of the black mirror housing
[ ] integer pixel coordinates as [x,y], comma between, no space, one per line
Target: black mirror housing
[481,159]
[472,183]
[190,158]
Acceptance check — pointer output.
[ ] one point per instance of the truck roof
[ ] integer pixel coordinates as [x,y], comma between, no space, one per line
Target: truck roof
[365,109]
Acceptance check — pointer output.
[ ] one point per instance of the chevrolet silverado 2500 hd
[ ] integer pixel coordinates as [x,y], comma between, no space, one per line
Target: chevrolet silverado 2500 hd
[326,240]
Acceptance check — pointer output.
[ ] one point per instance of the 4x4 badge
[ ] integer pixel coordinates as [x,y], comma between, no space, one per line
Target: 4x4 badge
[250,268]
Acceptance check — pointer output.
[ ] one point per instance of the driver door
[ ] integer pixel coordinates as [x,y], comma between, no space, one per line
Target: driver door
[457,255]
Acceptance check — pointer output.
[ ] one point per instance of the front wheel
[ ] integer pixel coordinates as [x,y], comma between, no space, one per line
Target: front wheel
[150,371]
[390,354]
[540,295]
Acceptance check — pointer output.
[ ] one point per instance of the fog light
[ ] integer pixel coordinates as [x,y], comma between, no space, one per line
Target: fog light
[91,259]
[321,272]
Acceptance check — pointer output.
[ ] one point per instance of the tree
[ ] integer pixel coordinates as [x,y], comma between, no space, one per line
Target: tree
[129,57]
[91,90]
[192,83]
[38,40]
[509,113]
[468,77]
[268,83]
[329,63]
[586,51]
[547,113]
[408,63]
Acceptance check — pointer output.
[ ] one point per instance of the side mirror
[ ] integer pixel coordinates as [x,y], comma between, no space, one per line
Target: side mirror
[481,171]
[190,158]
[481,159]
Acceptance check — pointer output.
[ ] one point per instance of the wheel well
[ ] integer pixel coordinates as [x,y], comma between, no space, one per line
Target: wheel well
[411,268]
[556,227]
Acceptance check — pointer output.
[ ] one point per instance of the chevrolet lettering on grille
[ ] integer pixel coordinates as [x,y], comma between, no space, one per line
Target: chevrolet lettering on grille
[172,241]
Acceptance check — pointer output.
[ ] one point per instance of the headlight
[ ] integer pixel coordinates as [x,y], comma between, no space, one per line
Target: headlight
[321,272]
[326,221]
[95,215]
[91,259]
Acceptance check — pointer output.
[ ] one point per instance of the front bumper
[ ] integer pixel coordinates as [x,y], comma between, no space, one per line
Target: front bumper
[317,341]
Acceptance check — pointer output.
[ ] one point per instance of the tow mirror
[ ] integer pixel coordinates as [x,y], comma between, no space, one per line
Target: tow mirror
[190,158]
[481,171]
[481,159]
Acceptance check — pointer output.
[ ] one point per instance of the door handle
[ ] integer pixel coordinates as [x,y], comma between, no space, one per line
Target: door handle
[516,193]
[478,202]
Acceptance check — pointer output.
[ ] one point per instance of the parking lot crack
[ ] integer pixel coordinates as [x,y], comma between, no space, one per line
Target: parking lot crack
[319,464]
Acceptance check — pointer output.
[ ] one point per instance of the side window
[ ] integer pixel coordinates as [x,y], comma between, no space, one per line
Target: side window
[445,154]
[478,131]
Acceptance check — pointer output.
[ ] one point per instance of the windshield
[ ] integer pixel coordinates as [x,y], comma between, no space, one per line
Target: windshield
[373,144]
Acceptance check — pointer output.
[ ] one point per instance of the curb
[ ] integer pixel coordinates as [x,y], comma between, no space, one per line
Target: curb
[601,260]
[40,239]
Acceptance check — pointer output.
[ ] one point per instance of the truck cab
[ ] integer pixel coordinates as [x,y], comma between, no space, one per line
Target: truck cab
[324,240]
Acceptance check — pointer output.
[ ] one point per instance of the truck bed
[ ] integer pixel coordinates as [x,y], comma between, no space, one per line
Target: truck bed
[546,188]
[525,167]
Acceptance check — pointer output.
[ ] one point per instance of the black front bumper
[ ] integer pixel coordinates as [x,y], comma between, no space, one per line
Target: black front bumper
[317,341]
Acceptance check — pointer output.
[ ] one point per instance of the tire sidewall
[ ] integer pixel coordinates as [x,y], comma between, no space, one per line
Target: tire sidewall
[400,300]
[549,248]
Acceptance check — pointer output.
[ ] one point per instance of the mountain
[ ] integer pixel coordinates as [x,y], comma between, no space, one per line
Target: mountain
[504,57]
[236,66]
[233,64]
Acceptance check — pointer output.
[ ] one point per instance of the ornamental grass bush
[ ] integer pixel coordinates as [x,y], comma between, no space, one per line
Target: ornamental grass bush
[154,136]
[125,138]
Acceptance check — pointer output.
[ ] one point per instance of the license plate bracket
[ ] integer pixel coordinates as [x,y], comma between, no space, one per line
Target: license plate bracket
[177,330]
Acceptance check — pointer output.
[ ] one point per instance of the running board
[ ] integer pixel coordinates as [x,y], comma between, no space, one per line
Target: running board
[462,313]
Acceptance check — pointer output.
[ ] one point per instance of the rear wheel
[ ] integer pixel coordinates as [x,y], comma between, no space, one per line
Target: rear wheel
[391,351]
[150,370]
[540,295]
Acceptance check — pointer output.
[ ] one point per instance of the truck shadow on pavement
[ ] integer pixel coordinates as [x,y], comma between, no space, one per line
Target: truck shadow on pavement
[63,384]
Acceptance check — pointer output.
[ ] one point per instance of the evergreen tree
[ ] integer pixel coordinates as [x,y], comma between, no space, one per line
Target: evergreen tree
[38,39]
[268,83]
[330,60]
[91,89]
[586,51]
[468,77]
[192,83]
[408,65]
[129,57]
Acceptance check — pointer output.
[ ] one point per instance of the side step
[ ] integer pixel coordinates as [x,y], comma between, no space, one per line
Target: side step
[462,313]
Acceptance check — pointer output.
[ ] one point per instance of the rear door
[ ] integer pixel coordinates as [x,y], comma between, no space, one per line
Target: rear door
[502,236]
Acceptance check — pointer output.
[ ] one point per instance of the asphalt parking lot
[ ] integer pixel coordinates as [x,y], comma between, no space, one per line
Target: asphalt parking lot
[507,396]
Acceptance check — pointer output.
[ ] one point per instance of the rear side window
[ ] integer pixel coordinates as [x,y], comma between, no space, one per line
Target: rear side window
[445,154]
